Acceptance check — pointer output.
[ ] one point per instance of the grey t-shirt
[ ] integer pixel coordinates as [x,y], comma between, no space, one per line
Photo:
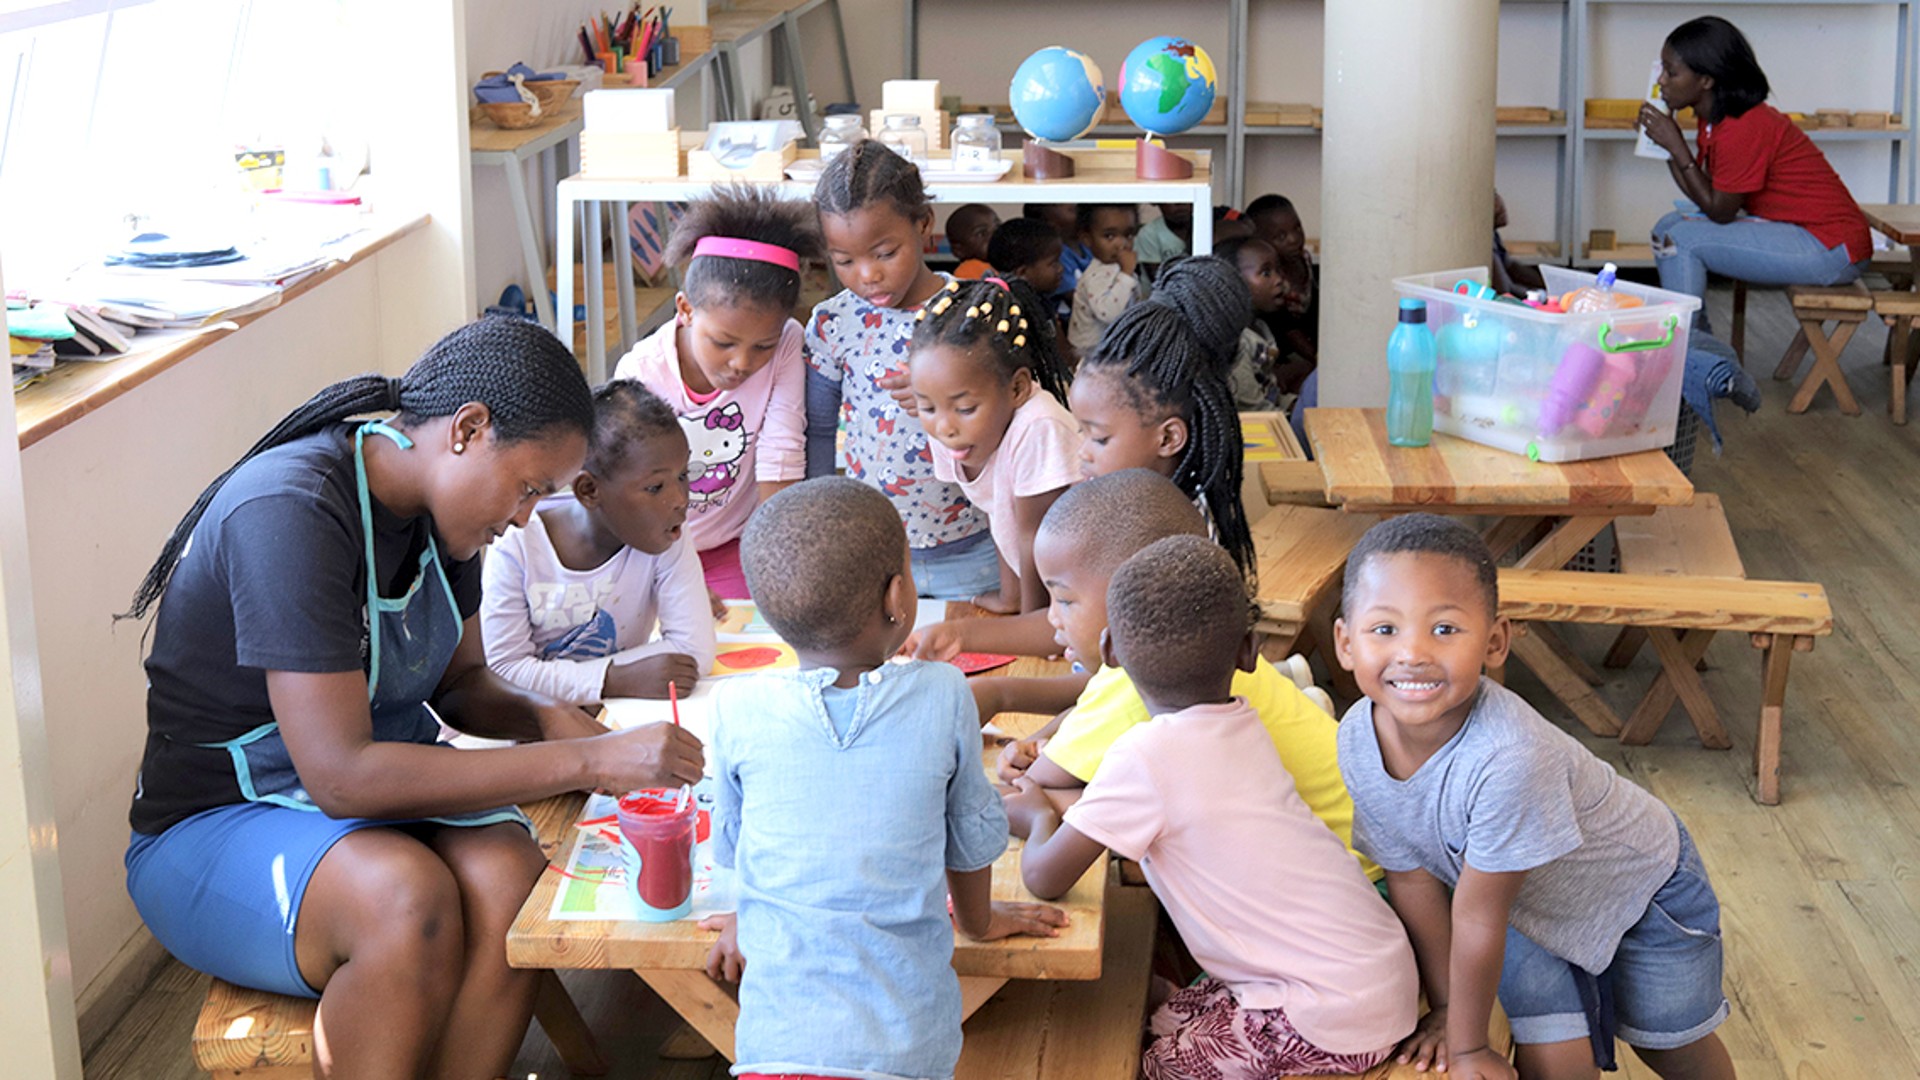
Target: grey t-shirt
[1512,792]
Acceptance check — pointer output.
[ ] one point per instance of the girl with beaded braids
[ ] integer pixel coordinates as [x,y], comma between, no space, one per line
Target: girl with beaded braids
[987,386]
[730,365]
[295,827]
[1154,394]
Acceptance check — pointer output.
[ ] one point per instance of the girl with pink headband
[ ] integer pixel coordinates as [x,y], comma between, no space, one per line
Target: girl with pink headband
[729,364]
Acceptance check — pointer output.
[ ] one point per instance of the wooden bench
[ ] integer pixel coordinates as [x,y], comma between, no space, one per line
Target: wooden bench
[1846,306]
[1898,310]
[1302,561]
[1782,617]
[1059,1030]
[1270,441]
[1501,1039]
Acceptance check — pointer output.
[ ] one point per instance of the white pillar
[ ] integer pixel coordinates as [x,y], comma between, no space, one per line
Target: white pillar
[37,1023]
[1406,173]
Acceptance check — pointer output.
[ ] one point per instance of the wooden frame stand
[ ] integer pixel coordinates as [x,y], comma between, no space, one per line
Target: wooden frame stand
[1043,162]
[1152,161]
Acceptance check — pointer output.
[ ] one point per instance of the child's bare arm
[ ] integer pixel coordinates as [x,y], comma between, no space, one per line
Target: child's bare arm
[1056,854]
[1424,906]
[1028,510]
[1047,774]
[1045,694]
[1022,635]
[981,918]
[1481,904]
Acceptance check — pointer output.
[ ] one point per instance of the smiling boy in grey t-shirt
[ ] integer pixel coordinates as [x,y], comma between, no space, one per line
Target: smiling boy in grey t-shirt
[1518,860]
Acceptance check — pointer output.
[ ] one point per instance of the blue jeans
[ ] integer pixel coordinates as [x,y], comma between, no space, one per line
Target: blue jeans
[960,570]
[1686,245]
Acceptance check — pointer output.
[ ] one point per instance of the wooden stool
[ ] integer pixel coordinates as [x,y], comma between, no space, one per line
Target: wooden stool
[1898,310]
[1847,307]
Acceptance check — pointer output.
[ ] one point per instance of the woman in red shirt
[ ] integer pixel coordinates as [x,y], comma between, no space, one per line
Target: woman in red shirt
[1769,208]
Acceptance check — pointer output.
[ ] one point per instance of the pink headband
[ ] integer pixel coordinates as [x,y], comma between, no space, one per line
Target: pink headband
[747,249]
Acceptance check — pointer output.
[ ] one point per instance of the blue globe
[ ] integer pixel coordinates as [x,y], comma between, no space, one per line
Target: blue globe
[1058,94]
[1167,85]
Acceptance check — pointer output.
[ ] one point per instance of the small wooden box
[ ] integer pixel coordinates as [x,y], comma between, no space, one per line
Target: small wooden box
[767,166]
[634,155]
[1522,114]
[1602,240]
[1218,113]
[1834,118]
[694,40]
[1627,109]
[1108,160]
[910,96]
[1873,120]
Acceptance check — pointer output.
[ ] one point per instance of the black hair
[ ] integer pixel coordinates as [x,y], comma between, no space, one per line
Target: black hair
[965,314]
[740,212]
[1424,534]
[1712,46]
[962,215]
[867,173]
[528,381]
[1084,216]
[1230,249]
[1271,204]
[625,412]
[1020,243]
[1176,349]
[1178,612]
[818,558]
[1107,519]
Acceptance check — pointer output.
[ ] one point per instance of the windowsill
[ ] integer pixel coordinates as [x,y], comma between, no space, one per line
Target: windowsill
[74,389]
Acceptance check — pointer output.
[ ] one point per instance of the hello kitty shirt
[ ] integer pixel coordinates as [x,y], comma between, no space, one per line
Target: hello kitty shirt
[738,438]
[850,345]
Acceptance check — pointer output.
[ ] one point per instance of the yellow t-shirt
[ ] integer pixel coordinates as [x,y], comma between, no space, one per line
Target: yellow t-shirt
[1305,736]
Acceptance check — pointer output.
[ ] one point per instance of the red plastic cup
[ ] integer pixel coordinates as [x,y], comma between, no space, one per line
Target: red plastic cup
[660,830]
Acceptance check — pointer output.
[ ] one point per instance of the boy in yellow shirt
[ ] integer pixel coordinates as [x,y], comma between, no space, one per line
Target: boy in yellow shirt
[1089,531]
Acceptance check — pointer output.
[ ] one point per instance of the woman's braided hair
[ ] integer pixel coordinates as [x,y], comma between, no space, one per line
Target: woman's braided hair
[996,313]
[528,381]
[1175,349]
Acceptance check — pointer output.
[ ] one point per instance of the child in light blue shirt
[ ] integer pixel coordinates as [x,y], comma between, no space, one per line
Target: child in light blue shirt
[852,803]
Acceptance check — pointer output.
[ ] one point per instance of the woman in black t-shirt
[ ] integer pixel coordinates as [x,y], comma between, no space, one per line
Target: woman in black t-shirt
[296,827]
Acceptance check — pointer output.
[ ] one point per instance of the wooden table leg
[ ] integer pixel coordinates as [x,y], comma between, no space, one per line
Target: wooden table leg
[1562,543]
[709,1006]
[1826,368]
[1564,682]
[1778,655]
[1790,360]
[566,1029]
[1678,678]
[1897,356]
[976,990]
[1625,647]
[1507,532]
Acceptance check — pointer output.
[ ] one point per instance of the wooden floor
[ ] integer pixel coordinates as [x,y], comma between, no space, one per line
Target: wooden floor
[1820,896]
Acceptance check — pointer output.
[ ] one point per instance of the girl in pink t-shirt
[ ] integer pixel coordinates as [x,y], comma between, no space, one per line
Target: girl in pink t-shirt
[730,364]
[987,386]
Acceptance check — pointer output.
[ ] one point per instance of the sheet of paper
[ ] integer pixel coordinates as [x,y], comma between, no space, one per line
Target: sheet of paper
[1643,146]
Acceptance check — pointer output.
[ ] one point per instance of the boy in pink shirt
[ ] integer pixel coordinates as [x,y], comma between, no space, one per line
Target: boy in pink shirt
[730,364]
[1308,971]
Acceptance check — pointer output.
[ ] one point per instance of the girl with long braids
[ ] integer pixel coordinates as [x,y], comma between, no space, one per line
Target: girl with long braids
[987,386]
[295,827]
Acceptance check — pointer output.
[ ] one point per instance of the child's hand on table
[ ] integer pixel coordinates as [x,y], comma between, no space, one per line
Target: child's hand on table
[1026,805]
[648,676]
[724,961]
[1013,919]
[939,641]
[1017,757]
[1426,1048]
[719,605]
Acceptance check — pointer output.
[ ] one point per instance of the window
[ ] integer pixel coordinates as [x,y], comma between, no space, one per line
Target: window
[114,111]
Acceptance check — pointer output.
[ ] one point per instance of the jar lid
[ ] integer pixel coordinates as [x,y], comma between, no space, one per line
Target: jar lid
[903,120]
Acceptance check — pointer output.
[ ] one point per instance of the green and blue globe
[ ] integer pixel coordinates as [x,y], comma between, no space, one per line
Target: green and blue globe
[1058,94]
[1167,85]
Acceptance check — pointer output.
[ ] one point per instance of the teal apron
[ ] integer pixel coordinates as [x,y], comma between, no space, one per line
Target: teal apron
[410,641]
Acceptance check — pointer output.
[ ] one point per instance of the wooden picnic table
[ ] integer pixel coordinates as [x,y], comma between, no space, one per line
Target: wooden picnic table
[1901,224]
[671,957]
[1547,511]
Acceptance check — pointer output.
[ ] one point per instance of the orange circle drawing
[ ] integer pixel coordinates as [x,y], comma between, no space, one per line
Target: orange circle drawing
[747,659]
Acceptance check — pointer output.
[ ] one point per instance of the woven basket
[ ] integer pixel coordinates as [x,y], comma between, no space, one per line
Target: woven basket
[552,92]
[512,115]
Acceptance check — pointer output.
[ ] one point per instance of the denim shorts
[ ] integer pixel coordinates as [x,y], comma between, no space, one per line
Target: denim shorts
[1665,975]
[960,570]
[222,889]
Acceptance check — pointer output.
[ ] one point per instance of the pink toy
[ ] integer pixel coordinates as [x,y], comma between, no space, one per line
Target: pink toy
[1604,408]
[1654,369]
[1573,383]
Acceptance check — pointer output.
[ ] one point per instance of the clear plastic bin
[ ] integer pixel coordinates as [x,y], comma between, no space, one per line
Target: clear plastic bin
[1555,387]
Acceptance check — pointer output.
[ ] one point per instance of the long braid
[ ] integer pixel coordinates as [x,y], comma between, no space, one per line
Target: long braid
[1176,349]
[1006,316]
[528,381]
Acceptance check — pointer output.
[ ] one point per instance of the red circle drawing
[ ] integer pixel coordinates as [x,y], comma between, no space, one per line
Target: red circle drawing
[745,659]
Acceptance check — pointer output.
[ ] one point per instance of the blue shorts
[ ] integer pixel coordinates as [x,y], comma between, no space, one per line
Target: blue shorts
[222,889]
[961,570]
[1665,975]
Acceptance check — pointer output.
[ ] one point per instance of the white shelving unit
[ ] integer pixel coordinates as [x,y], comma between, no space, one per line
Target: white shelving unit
[1575,165]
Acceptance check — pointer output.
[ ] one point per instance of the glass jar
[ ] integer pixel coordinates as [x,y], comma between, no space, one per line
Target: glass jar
[904,136]
[840,134]
[976,143]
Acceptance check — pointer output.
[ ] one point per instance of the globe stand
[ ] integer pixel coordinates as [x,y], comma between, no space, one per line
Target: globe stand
[1152,161]
[1042,162]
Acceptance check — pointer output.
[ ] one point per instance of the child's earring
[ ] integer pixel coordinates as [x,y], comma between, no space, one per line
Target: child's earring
[459,448]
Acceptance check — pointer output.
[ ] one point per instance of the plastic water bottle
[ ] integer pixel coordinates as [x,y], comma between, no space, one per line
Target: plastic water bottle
[1410,357]
[1598,296]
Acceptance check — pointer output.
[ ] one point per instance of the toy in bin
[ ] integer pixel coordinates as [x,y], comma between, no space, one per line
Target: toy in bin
[1556,385]
[658,827]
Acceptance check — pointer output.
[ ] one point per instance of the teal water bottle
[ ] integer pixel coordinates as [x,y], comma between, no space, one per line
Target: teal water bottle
[1410,355]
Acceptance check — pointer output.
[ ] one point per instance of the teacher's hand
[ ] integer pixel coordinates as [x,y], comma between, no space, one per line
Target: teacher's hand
[1662,129]
[654,756]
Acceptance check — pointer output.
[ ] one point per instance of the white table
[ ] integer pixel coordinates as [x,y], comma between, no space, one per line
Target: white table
[1091,186]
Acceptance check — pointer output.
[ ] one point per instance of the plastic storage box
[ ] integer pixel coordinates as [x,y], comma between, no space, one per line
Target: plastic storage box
[1554,387]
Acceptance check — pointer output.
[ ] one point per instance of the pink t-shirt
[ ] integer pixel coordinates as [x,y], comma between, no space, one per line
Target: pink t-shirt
[738,438]
[1040,453]
[1263,894]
